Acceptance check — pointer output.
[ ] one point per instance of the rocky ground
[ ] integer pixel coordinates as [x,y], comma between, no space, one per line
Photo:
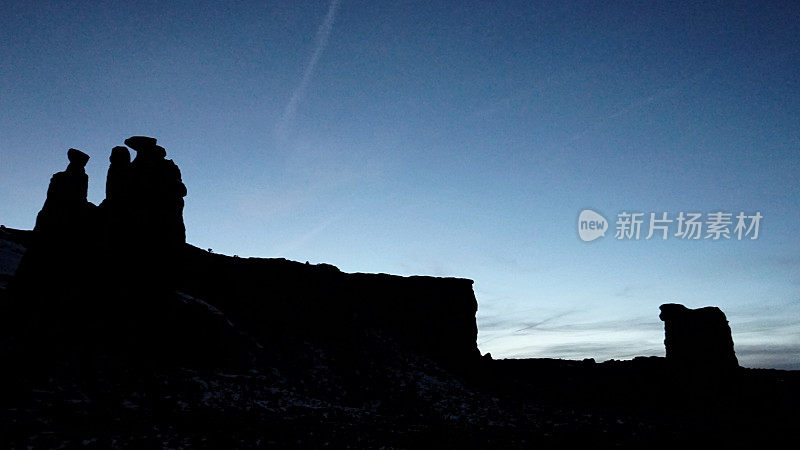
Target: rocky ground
[388,399]
[406,404]
[185,375]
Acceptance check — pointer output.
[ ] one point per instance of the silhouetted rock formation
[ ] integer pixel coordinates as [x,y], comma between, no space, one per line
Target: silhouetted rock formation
[64,227]
[139,224]
[698,339]
[118,180]
[103,276]
[133,258]
[66,209]
[65,220]
[157,192]
[117,209]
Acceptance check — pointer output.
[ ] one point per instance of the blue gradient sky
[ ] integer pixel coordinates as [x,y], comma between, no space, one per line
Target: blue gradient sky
[446,138]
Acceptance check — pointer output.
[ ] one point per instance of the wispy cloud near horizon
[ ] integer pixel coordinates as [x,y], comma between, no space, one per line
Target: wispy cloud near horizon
[321,42]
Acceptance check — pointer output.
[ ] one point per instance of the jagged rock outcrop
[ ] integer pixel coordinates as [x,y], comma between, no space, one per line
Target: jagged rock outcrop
[697,339]
[103,277]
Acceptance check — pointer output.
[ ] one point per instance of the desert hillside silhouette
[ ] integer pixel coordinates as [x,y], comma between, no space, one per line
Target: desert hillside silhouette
[117,333]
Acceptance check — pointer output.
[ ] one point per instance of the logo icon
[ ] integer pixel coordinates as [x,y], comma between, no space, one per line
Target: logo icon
[591,225]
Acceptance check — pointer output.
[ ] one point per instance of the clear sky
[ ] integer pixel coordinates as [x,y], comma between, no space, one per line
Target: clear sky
[447,138]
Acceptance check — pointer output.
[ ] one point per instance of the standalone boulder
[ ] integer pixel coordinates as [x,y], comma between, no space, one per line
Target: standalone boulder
[697,339]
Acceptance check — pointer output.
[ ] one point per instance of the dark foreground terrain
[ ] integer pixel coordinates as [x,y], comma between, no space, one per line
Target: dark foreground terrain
[245,353]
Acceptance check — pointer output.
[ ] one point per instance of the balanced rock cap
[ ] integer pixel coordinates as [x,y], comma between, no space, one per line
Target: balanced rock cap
[140,142]
[77,157]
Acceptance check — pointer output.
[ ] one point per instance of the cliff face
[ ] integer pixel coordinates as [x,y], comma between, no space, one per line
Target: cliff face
[697,338]
[284,302]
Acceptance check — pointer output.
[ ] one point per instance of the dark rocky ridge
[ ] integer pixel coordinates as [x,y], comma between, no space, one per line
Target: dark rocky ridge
[276,299]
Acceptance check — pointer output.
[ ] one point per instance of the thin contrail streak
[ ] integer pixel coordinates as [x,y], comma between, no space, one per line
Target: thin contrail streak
[323,33]
[644,101]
